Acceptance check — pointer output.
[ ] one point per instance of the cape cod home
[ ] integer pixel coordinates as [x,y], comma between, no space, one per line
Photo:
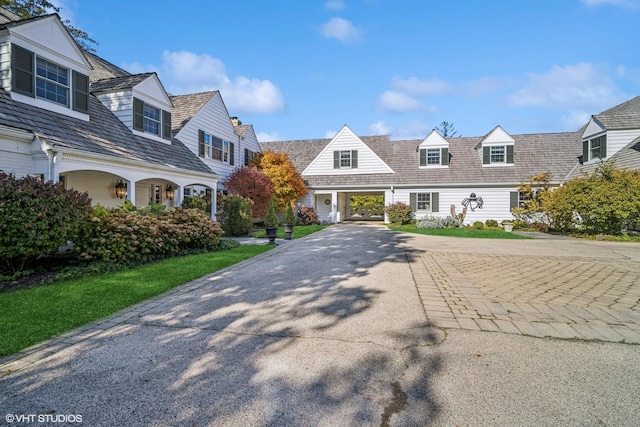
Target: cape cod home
[68,115]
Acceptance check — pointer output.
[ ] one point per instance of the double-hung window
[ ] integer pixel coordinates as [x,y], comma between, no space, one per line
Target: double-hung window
[434,157]
[497,155]
[594,148]
[151,120]
[345,159]
[52,82]
[212,147]
[424,202]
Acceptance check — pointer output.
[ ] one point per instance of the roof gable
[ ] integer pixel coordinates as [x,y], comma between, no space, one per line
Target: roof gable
[434,139]
[49,37]
[185,107]
[151,87]
[497,136]
[593,127]
[345,140]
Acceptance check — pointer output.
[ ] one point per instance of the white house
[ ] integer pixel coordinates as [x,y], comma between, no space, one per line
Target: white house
[68,115]
[432,174]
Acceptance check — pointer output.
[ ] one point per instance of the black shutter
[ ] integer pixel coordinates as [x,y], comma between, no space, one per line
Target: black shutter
[138,114]
[513,199]
[80,92]
[246,157]
[486,155]
[423,157]
[22,68]
[509,153]
[201,143]
[232,155]
[444,160]
[336,160]
[166,124]
[585,151]
[413,201]
[354,159]
[435,202]
[603,146]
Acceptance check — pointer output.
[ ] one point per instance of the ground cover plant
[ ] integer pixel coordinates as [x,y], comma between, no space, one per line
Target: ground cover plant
[467,232]
[31,315]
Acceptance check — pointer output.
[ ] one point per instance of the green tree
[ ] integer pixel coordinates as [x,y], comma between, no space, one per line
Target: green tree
[31,8]
[446,129]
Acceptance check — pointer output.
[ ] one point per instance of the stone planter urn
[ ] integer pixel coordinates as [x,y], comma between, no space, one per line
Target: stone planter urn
[508,226]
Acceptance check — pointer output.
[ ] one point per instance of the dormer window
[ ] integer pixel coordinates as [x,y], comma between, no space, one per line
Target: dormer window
[434,157]
[150,119]
[594,148]
[52,82]
[497,155]
[40,78]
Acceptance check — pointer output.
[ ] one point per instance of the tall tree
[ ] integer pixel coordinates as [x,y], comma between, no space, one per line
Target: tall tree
[446,129]
[288,185]
[31,8]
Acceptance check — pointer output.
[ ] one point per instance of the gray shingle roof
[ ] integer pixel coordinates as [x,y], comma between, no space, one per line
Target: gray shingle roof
[241,130]
[619,121]
[629,156]
[104,134]
[103,69]
[555,153]
[187,106]
[7,16]
[119,83]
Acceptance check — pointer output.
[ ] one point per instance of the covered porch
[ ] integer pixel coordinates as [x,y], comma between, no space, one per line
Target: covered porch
[338,206]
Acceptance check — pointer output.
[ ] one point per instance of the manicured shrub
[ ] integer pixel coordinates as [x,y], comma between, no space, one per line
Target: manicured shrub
[398,213]
[235,215]
[307,215]
[478,225]
[436,222]
[140,236]
[289,217]
[36,218]
[194,202]
[271,219]
[491,223]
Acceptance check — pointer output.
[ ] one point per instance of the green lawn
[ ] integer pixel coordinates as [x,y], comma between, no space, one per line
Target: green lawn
[29,316]
[488,233]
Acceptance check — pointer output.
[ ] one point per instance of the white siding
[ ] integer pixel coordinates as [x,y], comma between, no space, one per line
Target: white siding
[120,104]
[434,140]
[5,64]
[618,139]
[16,158]
[250,142]
[213,118]
[368,161]
[496,202]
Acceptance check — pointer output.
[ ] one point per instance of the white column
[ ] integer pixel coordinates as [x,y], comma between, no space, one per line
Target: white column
[131,192]
[214,196]
[335,215]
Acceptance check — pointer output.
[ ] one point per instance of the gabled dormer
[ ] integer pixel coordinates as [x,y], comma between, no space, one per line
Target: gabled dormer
[140,102]
[496,148]
[41,65]
[346,154]
[610,131]
[433,152]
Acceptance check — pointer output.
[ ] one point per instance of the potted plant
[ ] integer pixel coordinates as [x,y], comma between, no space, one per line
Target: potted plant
[507,225]
[271,223]
[288,222]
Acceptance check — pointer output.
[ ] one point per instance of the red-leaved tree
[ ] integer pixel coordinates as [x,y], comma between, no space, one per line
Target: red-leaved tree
[252,183]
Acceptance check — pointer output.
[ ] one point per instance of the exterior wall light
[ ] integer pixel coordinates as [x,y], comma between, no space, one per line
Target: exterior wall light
[121,189]
[170,192]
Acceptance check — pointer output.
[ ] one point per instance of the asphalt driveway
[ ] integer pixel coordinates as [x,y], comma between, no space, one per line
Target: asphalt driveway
[332,329]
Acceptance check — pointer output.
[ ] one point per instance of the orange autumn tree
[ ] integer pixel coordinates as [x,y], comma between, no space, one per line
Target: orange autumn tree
[288,185]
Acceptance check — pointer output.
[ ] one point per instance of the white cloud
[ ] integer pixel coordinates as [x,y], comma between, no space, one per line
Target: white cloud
[379,128]
[629,4]
[330,133]
[186,72]
[268,137]
[342,30]
[580,86]
[417,87]
[335,5]
[398,102]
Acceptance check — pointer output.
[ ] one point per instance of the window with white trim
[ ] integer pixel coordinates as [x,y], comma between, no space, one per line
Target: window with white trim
[594,148]
[498,155]
[214,148]
[424,201]
[434,157]
[151,119]
[345,159]
[52,82]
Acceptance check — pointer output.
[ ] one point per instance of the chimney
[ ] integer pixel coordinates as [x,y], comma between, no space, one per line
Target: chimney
[235,122]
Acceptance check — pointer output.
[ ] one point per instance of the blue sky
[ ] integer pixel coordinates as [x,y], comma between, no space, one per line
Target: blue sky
[301,69]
